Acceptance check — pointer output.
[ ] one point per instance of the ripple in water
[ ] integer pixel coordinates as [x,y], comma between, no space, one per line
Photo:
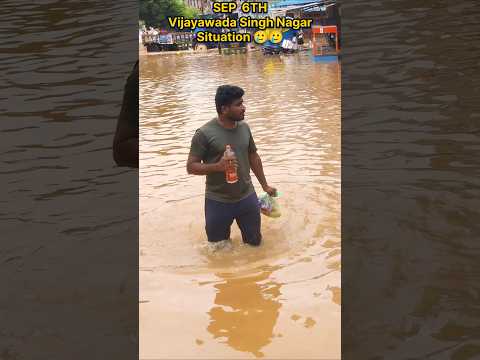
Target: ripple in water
[293,109]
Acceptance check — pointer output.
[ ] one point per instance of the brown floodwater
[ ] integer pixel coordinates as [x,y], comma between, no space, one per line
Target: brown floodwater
[281,300]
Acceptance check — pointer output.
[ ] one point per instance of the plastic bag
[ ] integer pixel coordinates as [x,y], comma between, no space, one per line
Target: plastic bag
[269,206]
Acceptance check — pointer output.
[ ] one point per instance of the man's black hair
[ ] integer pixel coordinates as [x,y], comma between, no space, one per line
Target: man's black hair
[226,94]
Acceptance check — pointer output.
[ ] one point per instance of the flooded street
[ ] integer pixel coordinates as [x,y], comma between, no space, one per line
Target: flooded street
[281,300]
[410,144]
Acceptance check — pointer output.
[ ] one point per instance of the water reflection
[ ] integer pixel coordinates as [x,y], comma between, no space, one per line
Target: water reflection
[64,65]
[245,311]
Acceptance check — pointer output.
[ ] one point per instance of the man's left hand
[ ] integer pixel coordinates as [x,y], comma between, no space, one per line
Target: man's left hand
[270,190]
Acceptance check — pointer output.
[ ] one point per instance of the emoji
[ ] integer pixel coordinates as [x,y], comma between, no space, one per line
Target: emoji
[275,36]
[260,37]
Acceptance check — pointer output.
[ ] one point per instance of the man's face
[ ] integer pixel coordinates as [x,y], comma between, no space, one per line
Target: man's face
[236,110]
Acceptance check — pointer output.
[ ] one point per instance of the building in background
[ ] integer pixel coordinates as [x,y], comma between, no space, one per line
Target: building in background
[322,12]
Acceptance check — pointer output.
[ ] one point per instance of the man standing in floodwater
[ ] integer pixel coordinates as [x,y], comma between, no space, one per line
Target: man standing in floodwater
[225,202]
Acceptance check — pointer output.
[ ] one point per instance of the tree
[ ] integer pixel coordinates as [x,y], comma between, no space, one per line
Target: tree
[156,12]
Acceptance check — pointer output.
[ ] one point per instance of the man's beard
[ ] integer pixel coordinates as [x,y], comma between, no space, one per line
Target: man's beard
[239,119]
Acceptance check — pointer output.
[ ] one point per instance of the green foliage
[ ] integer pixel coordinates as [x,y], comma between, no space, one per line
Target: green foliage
[191,13]
[155,12]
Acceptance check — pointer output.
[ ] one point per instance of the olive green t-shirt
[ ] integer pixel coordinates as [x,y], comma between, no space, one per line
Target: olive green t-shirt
[209,143]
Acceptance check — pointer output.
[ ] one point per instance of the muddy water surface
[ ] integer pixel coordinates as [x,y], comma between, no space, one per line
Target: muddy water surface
[281,300]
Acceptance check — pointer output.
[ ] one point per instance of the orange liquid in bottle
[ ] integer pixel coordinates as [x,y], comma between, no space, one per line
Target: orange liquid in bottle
[231,172]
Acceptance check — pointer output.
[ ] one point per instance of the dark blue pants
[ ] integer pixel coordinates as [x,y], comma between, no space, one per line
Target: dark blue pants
[219,217]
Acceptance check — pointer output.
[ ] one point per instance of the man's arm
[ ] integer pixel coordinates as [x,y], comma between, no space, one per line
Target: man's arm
[257,168]
[196,167]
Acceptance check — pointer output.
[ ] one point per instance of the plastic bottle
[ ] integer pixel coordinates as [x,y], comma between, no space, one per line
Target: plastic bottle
[231,172]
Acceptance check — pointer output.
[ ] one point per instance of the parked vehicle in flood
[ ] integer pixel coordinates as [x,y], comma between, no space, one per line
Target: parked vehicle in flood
[167,41]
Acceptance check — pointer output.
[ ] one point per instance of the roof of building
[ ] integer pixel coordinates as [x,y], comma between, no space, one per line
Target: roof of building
[289,3]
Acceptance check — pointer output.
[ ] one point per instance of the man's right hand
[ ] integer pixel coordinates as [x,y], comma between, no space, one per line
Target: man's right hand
[196,167]
[221,165]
